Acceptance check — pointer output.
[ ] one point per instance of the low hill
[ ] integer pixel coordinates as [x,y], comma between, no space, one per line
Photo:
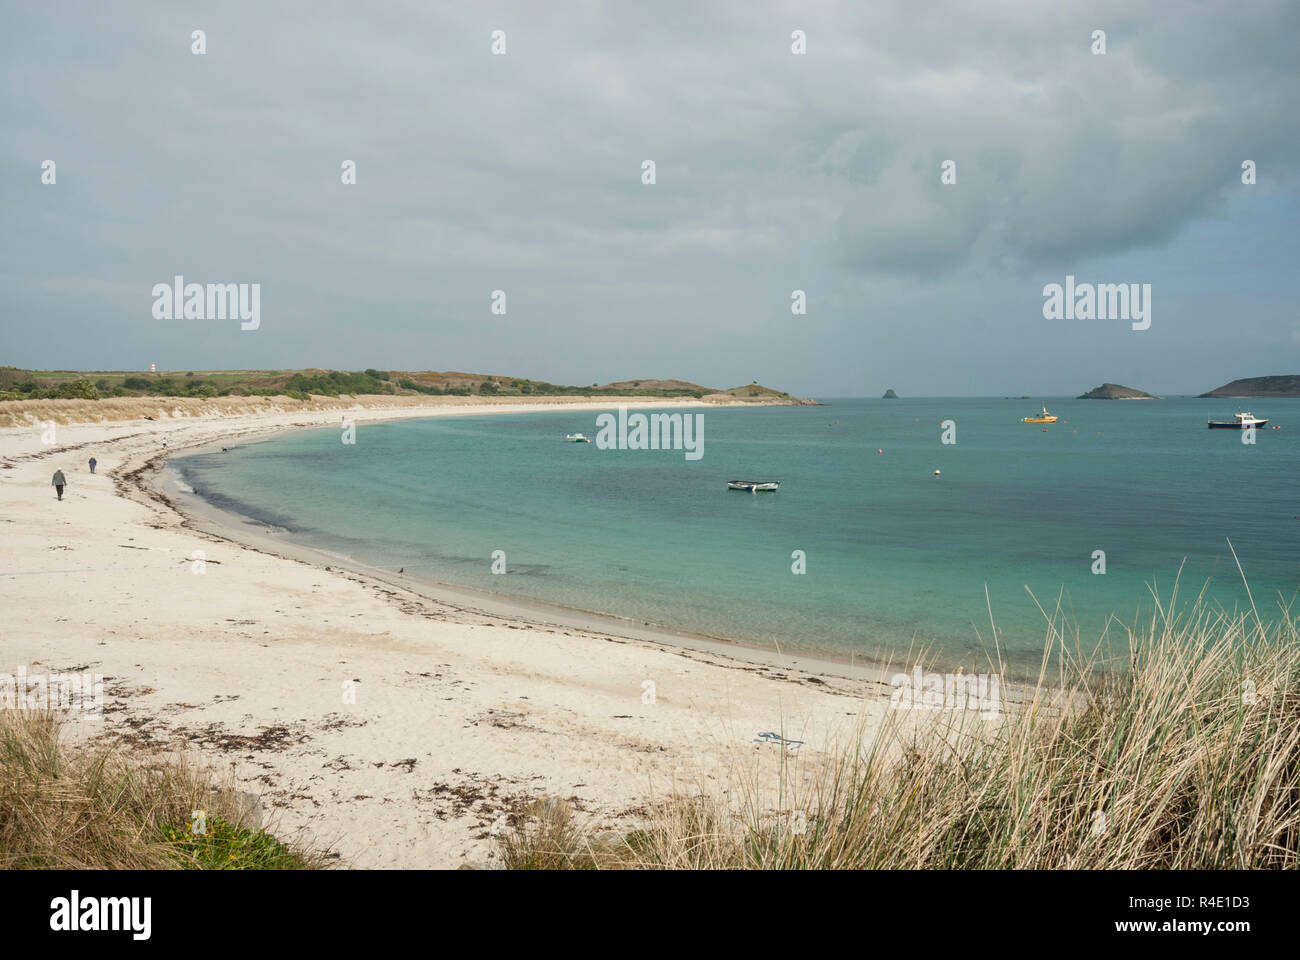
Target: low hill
[19,384]
[756,393]
[1113,391]
[1279,385]
[623,386]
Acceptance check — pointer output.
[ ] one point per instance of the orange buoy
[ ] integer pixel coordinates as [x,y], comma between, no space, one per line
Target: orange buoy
[878,450]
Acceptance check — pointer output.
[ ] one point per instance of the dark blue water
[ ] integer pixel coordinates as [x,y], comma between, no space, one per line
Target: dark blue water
[894,555]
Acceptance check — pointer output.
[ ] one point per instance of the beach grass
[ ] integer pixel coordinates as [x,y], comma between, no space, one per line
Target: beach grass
[1187,757]
[85,807]
[36,413]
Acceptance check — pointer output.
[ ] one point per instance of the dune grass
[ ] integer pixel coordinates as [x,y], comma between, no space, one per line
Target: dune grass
[86,807]
[35,413]
[1187,758]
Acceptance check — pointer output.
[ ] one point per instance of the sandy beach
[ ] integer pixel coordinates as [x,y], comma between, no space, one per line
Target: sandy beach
[247,652]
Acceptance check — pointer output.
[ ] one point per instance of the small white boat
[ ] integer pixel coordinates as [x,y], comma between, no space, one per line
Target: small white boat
[576,438]
[754,486]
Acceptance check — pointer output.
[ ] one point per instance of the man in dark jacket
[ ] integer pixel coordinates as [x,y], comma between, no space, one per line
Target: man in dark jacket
[59,483]
[93,461]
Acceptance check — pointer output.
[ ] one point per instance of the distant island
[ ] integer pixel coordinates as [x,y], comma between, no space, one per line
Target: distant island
[1113,391]
[1281,385]
[890,395]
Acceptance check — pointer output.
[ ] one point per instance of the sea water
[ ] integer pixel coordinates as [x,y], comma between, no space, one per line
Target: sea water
[892,556]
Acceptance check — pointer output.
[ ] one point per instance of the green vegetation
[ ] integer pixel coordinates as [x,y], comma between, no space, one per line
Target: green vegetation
[336,382]
[95,808]
[225,846]
[1186,756]
[18,384]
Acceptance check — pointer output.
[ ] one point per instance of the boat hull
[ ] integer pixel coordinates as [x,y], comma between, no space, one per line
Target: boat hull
[1221,425]
[754,486]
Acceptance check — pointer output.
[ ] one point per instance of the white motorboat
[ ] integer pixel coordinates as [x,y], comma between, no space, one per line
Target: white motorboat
[754,486]
[1241,421]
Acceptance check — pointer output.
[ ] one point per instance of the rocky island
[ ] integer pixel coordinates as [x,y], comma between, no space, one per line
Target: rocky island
[890,395]
[1280,385]
[1113,391]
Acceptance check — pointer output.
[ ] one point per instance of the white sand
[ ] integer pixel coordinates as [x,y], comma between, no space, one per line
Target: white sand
[460,716]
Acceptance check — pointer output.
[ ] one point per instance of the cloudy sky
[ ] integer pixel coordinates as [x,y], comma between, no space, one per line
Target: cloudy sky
[774,171]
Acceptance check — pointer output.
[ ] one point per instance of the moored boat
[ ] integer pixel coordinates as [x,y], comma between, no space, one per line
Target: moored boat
[576,438]
[1240,421]
[1045,418]
[754,486]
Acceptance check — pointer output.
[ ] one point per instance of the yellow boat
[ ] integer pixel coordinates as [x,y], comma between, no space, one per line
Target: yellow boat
[1045,418]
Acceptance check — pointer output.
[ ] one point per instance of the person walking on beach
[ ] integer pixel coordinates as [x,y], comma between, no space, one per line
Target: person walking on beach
[93,461]
[59,483]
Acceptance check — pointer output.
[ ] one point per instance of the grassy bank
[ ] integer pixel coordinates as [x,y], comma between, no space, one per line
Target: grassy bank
[36,413]
[81,807]
[17,384]
[1187,759]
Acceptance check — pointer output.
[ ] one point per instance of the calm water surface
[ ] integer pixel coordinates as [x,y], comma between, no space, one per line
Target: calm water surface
[893,554]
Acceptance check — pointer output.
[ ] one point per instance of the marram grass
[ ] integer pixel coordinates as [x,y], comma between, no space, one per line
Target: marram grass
[90,807]
[1187,758]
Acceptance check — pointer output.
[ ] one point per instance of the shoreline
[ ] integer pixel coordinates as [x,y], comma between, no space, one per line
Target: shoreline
[253,534]
[464,712]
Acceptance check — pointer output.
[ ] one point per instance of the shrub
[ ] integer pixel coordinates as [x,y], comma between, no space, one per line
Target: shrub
[78,390]
[334,382]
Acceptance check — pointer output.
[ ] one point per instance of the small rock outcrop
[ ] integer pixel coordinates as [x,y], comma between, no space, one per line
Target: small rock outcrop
[1113,391]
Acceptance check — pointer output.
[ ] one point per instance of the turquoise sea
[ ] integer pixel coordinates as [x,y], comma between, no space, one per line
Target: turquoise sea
[895,556]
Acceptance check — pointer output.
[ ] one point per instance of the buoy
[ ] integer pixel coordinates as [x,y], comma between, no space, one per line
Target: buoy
[936,473]
[878,450]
